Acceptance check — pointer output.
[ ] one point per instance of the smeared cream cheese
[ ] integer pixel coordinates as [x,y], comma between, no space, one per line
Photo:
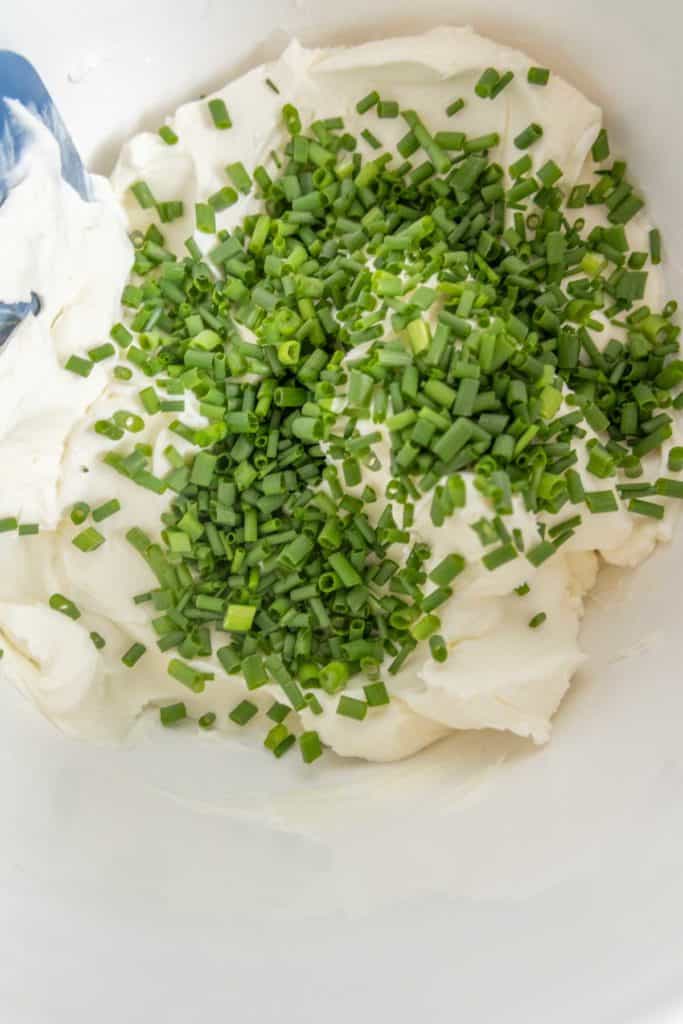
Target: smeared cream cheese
[75,255]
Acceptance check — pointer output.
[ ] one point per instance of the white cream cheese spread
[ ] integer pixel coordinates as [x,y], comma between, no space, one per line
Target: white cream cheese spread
[76,256]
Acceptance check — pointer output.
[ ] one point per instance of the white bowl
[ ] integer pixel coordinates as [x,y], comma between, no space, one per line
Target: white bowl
[181,878]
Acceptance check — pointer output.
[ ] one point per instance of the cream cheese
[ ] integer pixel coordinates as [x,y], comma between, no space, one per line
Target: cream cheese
[500,674]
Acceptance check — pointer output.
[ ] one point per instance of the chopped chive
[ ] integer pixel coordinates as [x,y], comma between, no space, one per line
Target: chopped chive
[205,218]
[222,200]
[277,532]
[239,618]
[133,655]
[376,695]
[601,501]
[8,524]
[101,352]
[121,335]
[447,569]
[243,712]
[188,676]
[278,712]
[89,539]
[646,508]
[98,640]
[655,240]
[239,177]
[600,148]
[310,746]
[455,107]
[537,620]
[486,83]
[371,139]
[79,513]
[168,135]
[143,194]
[62,604]
[502,83]
[538,76]
[527,137]
[367,102]
[350,707]
[499,556]
[219,114]
[438,648]
[540,553]
[81,367]
[109,508]
[272,86]
[172,713]
[387,108]
[28,529]
[665,487]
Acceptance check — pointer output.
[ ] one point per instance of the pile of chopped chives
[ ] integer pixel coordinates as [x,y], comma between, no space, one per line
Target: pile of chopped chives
[474,295]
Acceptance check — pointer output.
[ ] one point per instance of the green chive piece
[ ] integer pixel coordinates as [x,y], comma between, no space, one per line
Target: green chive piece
[188,676]
[29,529]
[133,654]
[221,200]
[367,102]
[239,177]
[600,148]
[655,240]
[438,648]
[98,640]
[376,695]
[239,618]
[89,539]
[486,83]
[219,114]
[646,508]
[527,137]
[350,707]
[205,218]
[601,501]
[455,107]
[109,508]
[172,713]
[537,620]
[310,746]
[278,712]
[143,194]
[387,108]
[62,604]
[243,712]
[101,352]
[445,305]
[79,513]
[446,571]
[499,556]
[168,135]
[81,367]
[538,76]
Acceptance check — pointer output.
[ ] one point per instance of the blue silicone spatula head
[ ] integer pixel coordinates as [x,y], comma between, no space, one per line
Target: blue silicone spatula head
[19,81]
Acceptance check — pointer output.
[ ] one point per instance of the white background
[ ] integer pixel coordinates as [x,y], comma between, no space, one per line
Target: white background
[180,880]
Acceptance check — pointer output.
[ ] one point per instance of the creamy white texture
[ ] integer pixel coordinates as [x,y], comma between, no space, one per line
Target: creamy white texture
[500,674]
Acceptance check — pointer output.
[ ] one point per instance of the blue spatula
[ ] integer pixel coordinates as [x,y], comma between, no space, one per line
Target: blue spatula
[20,81]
